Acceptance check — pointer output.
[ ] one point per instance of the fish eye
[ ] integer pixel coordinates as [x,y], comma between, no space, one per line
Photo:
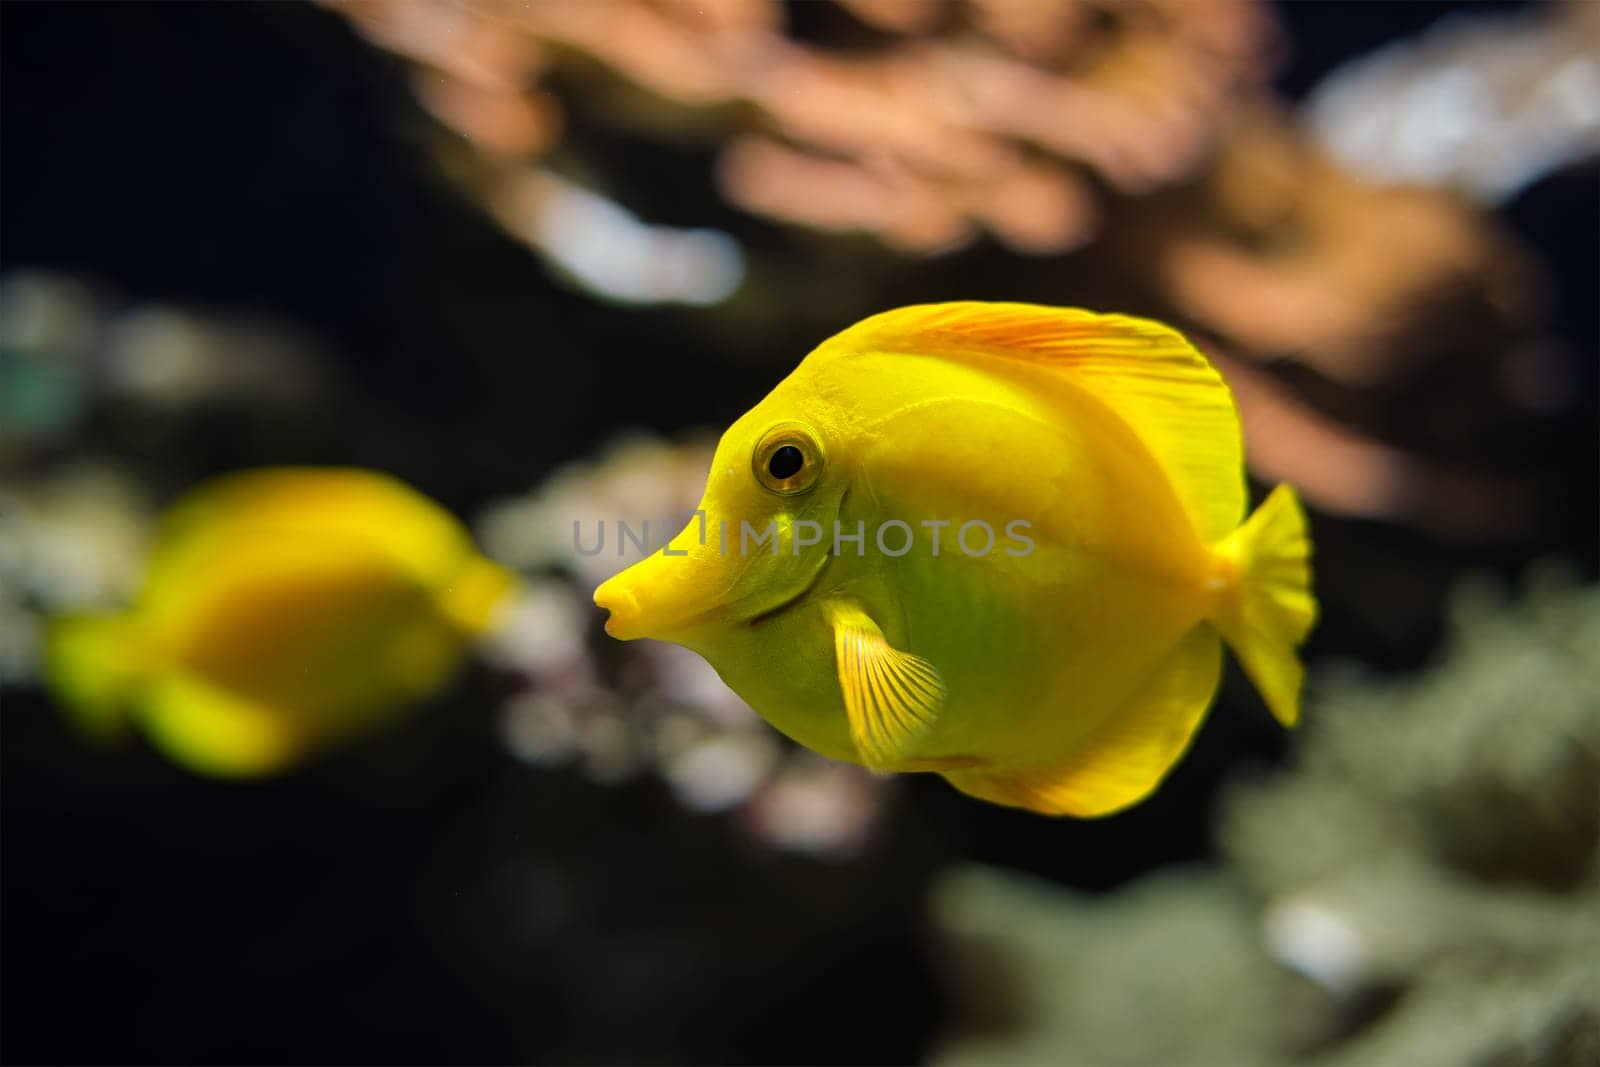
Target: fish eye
[789,459]
[786,462]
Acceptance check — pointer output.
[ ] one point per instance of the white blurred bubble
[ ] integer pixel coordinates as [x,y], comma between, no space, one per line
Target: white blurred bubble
[604,247]
[1318,942]
[1487,104]
[721,771]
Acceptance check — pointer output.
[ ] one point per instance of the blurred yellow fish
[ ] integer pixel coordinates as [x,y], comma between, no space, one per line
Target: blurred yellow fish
[283,610]
[1001,542]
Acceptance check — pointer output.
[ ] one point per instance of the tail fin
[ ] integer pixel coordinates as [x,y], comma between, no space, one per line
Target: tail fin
[92,664]
[1265,607]
[475,595]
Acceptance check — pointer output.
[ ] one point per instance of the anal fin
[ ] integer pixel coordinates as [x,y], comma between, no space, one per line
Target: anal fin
[1128,757]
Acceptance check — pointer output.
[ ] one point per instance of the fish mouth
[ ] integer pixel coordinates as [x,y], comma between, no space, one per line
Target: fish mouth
[623,622]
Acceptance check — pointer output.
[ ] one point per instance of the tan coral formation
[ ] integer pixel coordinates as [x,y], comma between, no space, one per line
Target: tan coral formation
[958,105]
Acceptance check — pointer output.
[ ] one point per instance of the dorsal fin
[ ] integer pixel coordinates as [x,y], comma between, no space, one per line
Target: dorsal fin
[1153,379]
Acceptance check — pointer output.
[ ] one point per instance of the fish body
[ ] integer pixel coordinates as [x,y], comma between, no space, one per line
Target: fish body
[1050,637]
[283,610]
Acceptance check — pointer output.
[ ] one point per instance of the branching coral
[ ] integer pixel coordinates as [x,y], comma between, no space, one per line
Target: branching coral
[951,118]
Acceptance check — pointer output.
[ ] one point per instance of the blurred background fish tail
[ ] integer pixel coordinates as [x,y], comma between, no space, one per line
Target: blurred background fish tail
[1266,608]
[94,663]
[475,598]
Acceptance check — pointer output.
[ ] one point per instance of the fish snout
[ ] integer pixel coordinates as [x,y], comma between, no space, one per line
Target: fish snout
[680,589]
[617,597]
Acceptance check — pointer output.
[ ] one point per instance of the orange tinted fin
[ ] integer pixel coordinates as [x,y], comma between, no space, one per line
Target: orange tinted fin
[1148,374]
[890,696]
[1124,762]
[1266,607]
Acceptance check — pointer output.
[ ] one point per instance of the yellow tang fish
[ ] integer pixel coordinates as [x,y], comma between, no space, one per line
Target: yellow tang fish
[1001,542]
[283,610]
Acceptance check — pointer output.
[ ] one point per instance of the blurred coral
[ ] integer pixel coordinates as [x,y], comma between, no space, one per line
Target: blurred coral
[619,711]
[1487,103]
[74,541]
[1395,316]
[1336,273]
[988,115]
[48,327]
[640,482]
[66,345]
[1164,972]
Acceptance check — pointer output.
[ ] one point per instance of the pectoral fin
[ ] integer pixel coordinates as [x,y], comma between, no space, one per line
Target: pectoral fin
[891,697]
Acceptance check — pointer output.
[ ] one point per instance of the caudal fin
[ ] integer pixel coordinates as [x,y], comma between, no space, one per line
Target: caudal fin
[92,663]
[1266,608]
